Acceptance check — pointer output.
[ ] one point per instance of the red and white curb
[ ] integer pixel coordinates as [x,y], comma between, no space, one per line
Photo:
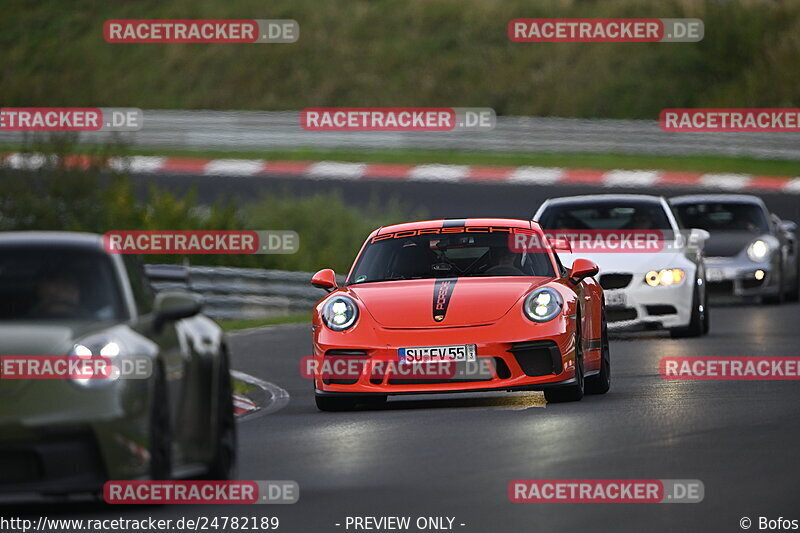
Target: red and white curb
[267,397]
[242,406]
[335,170]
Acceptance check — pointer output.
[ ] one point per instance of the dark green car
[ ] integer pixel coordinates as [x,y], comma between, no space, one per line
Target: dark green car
[62,294]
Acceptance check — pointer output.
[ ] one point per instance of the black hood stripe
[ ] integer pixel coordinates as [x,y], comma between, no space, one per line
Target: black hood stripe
[442,292]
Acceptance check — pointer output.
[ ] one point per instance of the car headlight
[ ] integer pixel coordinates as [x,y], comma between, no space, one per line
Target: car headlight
[97,348]
[543,304]
[340,313]
[665,278]
[758,251]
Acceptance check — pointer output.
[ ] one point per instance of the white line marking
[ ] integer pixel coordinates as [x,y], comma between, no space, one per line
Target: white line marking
[336,170]
[448,173]
[536,175]
[137,163]
[792,186]
[26,161]
[630,178]
[234,167]
[728,182]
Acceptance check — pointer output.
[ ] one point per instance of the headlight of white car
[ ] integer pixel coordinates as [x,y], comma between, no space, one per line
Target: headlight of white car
[665,278]
[758,251]
[98,348]
[543,304]
[340,313]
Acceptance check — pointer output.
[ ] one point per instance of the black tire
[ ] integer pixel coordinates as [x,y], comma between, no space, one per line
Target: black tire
[706,314]
[695,327]
[776,299]
[600,383]
[223,465]
[160,429]
[794,292]
[574,392]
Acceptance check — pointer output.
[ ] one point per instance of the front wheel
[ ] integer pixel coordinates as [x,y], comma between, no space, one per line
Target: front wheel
[696,319]
[776,299]
[223,465]
[600,383]
[573,392]
[160,429]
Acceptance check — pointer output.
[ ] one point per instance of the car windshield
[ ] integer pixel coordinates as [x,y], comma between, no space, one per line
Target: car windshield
[605,215]
[723,216]
[54,284]
[474,254]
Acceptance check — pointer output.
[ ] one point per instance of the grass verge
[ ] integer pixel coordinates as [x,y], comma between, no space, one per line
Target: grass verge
[705,164]
[236,325]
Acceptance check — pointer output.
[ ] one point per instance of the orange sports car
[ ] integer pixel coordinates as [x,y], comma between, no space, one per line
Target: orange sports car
[459,306]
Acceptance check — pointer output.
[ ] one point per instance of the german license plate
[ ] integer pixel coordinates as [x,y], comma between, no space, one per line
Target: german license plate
[715,274]
[436,354]
[615,299]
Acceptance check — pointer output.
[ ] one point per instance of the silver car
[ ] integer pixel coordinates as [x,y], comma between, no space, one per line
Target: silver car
[751,252]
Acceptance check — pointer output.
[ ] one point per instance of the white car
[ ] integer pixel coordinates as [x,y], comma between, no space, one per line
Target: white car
[657,283]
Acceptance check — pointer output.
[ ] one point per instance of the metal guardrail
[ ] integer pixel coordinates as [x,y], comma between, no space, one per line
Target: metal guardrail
[244,293]
[265,130]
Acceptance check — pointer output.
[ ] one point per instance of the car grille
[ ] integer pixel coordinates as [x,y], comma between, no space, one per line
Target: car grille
[752,283]
[615,281]
[537,358]
[459,375]
[20,467]
[620,315]
[339,353]
[657,310]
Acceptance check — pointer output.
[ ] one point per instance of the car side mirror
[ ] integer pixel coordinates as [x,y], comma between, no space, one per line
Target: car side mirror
[582,268]
[175,305]
[788,226]
[699,235]
[325,279]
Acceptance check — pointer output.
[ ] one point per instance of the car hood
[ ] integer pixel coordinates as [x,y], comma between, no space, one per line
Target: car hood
[43,337]
[472,301]
[728,243]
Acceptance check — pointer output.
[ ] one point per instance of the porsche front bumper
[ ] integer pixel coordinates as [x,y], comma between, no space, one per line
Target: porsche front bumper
[529,357]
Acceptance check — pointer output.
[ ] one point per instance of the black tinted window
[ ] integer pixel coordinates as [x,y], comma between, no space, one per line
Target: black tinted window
[444,256]
[622,215]
[54,284]
[723,217]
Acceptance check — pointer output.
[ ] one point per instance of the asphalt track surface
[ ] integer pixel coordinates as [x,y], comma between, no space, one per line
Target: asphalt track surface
[424,198]
[456,455]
